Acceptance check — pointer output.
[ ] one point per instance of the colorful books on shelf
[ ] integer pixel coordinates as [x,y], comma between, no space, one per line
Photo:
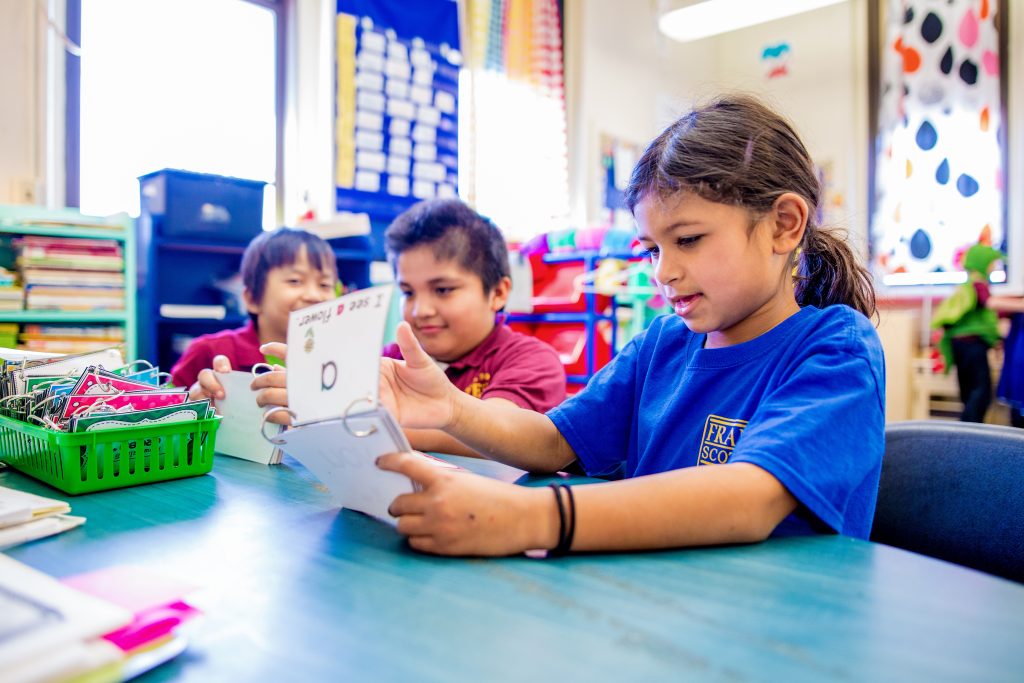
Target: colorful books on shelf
[12,296]
[9,335]
[69,339]
[71,273]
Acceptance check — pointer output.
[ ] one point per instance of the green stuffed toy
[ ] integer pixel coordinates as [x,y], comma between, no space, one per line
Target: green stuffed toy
[960,315]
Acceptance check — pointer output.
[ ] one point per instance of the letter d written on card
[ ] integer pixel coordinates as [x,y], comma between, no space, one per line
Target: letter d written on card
[334,355]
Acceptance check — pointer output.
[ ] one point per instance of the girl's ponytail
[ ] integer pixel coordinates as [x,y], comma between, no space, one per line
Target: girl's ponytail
[828,273]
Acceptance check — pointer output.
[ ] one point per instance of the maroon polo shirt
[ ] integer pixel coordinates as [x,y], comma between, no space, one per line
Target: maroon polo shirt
[241,346]
[508,365]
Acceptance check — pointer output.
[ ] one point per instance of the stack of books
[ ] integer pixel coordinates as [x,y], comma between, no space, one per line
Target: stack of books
[8,335]
[71,273]
[69,339]
[12,296]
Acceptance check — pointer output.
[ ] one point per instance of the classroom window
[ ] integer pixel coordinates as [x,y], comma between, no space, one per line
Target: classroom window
[187,84]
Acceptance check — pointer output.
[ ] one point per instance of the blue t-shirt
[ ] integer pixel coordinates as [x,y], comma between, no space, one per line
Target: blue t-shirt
[804,401]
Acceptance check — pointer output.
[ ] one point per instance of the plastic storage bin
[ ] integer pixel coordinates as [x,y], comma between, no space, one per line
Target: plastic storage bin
[555,290]
[114,458]
[569,340]
[202,206]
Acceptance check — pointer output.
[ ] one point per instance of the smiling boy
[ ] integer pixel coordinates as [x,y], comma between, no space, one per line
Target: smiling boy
[282,271]
[451,265]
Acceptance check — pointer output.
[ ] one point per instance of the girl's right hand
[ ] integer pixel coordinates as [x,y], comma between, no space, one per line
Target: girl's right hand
[207,385]
[416,390]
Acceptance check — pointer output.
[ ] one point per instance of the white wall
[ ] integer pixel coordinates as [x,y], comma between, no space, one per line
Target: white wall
[625,80]
[632,82]
[825,95]
[20,120]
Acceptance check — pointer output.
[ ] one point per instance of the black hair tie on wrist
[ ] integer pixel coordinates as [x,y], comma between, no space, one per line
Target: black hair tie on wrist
[572,519]
[566,522]
[561,520]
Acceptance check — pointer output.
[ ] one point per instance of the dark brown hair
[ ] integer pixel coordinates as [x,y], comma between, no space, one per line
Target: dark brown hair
[282,247]
[735,150]
[454,232]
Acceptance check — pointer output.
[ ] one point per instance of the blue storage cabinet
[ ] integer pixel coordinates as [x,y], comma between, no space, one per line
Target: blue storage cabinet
[202,206]
[183,248]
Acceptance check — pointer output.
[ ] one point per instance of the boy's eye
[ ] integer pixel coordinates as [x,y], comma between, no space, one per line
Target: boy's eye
[294,281]
[442,291]
[406,294]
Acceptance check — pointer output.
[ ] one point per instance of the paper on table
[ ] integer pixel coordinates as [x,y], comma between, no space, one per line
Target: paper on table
[21,354]
[17,507]
[239,432]
[42,616]
[38,528]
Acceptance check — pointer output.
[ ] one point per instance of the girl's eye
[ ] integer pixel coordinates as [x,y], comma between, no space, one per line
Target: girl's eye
[442,291]
[688,241]
[294,281]
[406,294]
[649,253]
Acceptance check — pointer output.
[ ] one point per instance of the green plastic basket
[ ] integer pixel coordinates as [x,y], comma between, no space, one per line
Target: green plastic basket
[108,459]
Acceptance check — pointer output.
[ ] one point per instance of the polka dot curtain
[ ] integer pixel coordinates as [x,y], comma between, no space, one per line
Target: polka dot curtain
[940,138]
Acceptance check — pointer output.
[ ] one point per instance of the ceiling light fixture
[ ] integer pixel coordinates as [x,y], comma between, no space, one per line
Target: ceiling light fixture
[686,20]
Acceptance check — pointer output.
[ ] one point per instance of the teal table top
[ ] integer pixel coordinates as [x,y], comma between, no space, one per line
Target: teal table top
[295,590]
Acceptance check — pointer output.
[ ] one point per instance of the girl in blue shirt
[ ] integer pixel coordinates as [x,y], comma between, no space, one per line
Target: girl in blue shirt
[756,410]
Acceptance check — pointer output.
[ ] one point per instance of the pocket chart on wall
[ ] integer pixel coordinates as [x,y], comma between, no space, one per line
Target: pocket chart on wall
[396,132]
[334,355]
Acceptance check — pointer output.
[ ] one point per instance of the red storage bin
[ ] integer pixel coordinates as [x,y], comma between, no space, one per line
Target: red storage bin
[570,341]
[555,289]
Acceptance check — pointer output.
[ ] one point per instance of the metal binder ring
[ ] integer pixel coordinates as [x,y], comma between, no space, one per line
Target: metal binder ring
[260,368]
[276,409]
[359,433]
[142,361]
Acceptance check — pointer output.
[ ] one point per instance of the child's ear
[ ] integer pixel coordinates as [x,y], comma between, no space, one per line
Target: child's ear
[251,305]
[499,295]
[789,221]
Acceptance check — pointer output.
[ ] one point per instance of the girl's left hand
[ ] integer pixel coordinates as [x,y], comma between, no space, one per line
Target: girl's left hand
[460,513]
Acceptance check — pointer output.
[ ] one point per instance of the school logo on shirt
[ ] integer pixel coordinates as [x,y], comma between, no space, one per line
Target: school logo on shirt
[719,438]
[479,383]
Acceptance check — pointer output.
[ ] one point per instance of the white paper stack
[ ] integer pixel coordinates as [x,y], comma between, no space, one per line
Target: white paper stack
[26,517]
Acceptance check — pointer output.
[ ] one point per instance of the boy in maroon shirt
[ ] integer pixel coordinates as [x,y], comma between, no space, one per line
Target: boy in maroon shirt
[282,271]
[451,266]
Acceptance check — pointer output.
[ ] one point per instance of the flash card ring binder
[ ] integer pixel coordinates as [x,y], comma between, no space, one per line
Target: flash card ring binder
[358,433]
[263,425]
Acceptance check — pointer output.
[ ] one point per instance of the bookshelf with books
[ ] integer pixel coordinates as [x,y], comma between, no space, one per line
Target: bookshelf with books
[67,280]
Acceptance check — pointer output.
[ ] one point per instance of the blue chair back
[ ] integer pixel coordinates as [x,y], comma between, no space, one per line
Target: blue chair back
[954,491]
